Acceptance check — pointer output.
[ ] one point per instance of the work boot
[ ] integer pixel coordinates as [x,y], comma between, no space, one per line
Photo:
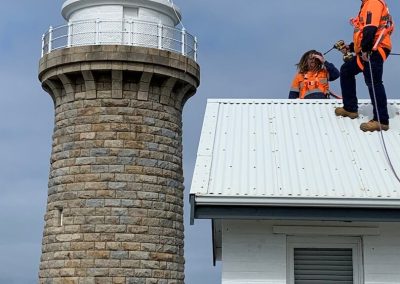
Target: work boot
[340,111]
[373,125]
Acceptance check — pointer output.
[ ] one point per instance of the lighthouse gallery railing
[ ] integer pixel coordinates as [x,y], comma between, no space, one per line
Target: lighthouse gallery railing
[125,32]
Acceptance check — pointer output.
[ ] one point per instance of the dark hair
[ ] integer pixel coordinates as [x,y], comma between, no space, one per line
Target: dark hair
[302,66]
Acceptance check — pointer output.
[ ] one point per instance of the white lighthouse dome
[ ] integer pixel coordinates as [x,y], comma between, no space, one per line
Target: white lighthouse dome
[154,11]
[141,23]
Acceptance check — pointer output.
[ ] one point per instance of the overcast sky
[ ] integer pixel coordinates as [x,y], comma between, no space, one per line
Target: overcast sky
[248,49]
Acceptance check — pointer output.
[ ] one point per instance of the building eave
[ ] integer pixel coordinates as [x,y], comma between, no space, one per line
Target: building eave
[297,213]
[297,202]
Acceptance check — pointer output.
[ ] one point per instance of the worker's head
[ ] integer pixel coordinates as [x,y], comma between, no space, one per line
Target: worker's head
[310,62]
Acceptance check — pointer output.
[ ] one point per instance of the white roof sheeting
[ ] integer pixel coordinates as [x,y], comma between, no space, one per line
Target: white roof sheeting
[294,153]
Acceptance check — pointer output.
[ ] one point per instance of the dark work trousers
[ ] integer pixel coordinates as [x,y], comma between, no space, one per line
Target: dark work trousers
[316,96]
[348,73]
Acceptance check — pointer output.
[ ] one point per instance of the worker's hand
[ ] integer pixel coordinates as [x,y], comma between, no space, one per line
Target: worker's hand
[365,56]
[319,57]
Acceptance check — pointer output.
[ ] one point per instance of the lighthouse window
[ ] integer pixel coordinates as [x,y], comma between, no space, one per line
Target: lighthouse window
[60,216]
[130,13]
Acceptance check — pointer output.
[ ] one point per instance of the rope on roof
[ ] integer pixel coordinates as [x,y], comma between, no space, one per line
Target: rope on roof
[382,139]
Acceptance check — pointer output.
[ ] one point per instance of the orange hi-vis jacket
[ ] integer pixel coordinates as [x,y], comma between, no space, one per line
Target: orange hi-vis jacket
[311,82]
[373,13]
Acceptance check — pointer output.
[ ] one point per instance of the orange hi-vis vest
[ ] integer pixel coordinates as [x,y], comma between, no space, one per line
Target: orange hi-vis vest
[373,13]
[310,82]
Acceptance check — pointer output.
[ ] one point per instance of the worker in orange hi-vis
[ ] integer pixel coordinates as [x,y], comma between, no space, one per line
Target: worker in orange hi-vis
[313,74]
[372,44]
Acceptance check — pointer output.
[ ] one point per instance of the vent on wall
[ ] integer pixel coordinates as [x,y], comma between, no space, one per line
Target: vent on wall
[323,266]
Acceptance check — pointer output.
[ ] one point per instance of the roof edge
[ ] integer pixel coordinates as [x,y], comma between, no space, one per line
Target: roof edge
[298,202]
[297,213]
[290,101]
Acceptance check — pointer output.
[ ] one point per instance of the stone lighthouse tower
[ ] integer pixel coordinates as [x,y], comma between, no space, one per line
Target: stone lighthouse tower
[119,73]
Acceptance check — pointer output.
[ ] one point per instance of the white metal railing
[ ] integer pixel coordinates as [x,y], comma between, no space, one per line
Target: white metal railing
[123,32]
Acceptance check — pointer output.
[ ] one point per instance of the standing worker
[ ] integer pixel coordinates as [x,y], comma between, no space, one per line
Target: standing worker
[311,81]
[372,44]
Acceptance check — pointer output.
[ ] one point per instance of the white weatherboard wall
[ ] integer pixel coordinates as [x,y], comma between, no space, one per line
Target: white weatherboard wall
[253,254]
[382,255]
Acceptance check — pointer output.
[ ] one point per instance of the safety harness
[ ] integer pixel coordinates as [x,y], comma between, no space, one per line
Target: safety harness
[313,82]
[385,28]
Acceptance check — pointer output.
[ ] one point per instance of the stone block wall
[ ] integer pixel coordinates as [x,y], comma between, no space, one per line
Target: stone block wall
[115,200]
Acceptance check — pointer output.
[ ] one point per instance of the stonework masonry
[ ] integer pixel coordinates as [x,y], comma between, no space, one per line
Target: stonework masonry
[115,199]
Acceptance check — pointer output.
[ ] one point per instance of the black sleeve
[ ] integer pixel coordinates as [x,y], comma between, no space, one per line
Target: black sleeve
[332,71]
[367,42]
[351,47]
[293,95]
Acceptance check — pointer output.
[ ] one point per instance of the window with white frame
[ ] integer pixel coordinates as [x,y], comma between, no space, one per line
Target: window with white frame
[324,260]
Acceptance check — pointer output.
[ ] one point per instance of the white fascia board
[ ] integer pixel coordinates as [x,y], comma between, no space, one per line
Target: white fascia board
[298,202]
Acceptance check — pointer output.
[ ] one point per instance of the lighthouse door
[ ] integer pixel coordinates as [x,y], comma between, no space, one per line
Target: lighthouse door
[130,14]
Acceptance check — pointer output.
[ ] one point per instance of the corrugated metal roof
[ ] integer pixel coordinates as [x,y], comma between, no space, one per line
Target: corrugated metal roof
[294,152]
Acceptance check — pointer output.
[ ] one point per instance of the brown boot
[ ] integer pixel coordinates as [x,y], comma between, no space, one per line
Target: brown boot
[340,111]
[373,125]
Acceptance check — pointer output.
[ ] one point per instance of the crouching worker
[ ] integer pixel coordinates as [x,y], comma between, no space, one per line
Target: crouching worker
[311,81]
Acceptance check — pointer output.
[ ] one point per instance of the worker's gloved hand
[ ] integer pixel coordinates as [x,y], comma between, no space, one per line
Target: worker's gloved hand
[351,47]
[365,56]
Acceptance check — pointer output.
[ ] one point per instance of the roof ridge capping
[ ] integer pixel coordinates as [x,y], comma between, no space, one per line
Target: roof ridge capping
[288,101]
